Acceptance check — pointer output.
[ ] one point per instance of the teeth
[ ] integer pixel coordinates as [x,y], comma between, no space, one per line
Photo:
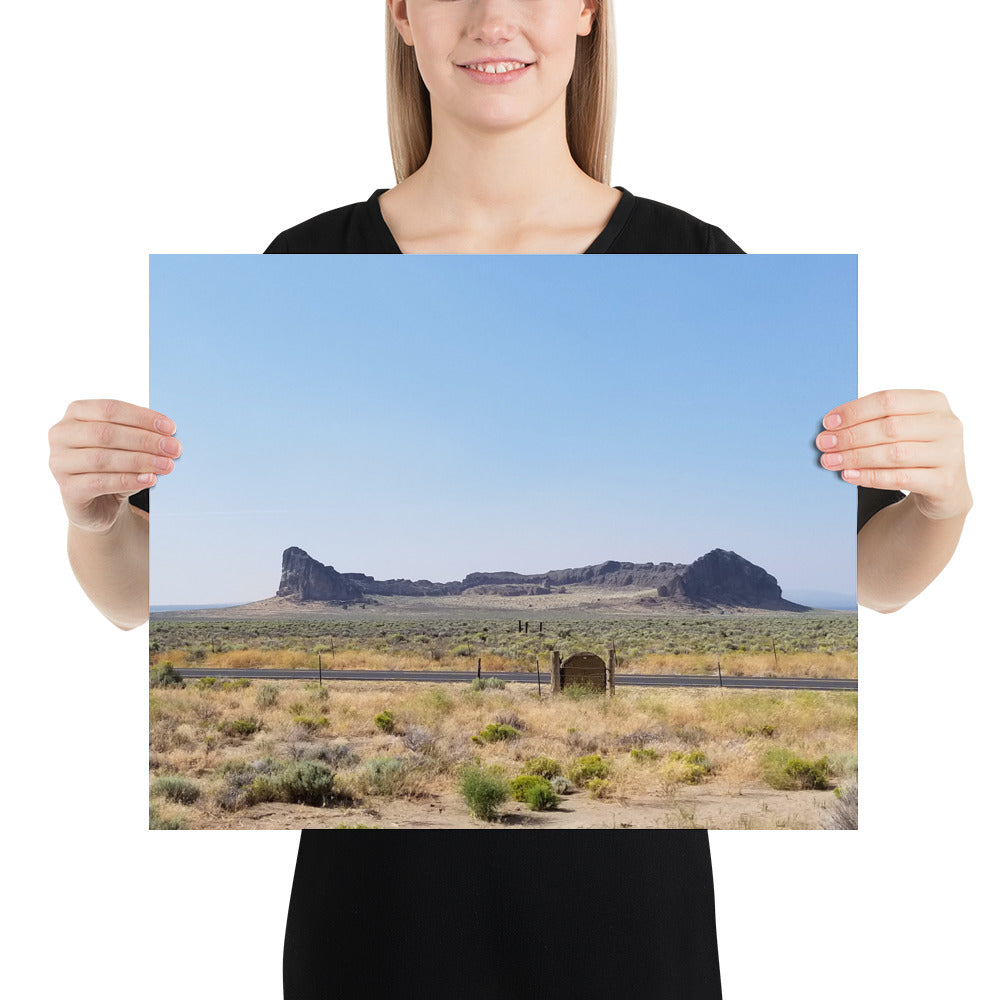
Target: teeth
[504,67]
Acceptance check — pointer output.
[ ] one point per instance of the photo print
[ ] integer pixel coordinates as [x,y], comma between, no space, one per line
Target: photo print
[502,542]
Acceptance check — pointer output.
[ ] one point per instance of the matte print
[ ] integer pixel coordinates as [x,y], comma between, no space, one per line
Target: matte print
[502,543]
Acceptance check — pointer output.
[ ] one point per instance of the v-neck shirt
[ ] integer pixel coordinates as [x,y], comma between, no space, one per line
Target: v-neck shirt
[637,225]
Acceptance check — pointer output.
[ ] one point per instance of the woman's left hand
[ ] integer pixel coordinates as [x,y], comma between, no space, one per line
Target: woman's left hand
[900,439]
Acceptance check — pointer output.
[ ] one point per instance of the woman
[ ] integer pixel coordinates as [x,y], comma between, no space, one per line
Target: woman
[501,119]
[501,134]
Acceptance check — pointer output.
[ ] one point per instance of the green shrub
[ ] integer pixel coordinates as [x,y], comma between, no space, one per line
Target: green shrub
[384,775]
[642,754]
[303,782]
[547,767]
[694,765]
[495,732]
[234,684]
[267,695]
[163,675]
[520,786]
[587,767]
[385,721]
[239,727]
[306,782]
[540,797]
[237,777]
[484,791]
[311,722]
[786,772]
[206,682]
[599,788]
[488,683]
[174,788]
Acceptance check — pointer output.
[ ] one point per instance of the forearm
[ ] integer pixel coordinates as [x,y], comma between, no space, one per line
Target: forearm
[901,550]
[113,567]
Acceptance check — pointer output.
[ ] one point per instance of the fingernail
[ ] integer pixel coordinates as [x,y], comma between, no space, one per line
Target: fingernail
[146,478]
[851,474]
[832,461]
[827,440]
[162,463]
[164,426]
[169,446]
[832,421]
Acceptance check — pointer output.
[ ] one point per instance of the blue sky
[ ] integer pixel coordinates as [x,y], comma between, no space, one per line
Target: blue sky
[431,416]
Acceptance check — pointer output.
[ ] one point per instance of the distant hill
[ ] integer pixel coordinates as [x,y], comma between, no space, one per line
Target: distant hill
[718,579]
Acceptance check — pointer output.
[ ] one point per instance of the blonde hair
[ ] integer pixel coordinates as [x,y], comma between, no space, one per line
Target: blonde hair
[590,100]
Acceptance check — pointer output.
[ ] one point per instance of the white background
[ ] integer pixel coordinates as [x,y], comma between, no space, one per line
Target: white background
[209,126]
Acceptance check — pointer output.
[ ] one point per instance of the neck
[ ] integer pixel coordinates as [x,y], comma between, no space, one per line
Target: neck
[516,190]
[499,174]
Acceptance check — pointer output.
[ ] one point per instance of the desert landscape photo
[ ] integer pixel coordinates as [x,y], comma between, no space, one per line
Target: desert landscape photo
[357,616]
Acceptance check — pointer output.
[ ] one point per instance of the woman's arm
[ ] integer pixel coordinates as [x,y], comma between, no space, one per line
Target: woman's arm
[901,439]
[113,567]
[100,453]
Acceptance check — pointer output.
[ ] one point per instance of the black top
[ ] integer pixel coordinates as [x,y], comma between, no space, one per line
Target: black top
[870,502]
[637,225]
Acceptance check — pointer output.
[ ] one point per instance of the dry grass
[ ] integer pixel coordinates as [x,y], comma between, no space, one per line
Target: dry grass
[840,664]
[843,664]
[435,723]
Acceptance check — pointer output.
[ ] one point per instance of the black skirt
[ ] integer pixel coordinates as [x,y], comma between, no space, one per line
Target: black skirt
[498,914]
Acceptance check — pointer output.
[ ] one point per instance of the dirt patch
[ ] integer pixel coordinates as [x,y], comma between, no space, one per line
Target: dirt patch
[755,809]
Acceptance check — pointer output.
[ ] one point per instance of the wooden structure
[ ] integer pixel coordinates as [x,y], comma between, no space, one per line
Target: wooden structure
[583,670]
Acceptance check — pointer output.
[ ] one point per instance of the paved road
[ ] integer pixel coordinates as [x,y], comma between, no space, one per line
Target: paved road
[466,676]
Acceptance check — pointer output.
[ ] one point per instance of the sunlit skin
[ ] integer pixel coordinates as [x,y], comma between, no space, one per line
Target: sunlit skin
[499,177]
[910,440]
[100,453]
[456,40]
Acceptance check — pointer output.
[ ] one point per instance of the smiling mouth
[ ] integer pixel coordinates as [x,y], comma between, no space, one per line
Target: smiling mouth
[495,68]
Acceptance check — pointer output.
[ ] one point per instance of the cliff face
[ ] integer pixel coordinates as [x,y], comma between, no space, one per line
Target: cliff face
[305,579]
[718,578]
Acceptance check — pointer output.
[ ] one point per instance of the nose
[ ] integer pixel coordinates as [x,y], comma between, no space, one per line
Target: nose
[492,21]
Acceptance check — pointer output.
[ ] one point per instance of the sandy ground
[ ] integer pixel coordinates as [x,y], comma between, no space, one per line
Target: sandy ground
[579,599]
[696,806]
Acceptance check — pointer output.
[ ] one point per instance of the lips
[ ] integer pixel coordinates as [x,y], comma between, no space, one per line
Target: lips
[495,72]
[495,67]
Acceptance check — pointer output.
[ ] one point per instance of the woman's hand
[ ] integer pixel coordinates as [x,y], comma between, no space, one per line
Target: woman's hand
[901,439]
[103,451]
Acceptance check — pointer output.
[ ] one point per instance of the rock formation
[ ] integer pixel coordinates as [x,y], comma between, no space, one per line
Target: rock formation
[305,579]
[718,578]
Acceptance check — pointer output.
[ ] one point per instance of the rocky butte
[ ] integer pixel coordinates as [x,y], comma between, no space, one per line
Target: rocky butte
[716,579]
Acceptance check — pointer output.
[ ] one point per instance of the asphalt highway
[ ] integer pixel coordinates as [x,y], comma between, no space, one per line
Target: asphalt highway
[467,676]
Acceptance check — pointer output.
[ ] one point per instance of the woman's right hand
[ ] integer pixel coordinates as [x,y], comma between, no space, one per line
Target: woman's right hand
[103,451]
